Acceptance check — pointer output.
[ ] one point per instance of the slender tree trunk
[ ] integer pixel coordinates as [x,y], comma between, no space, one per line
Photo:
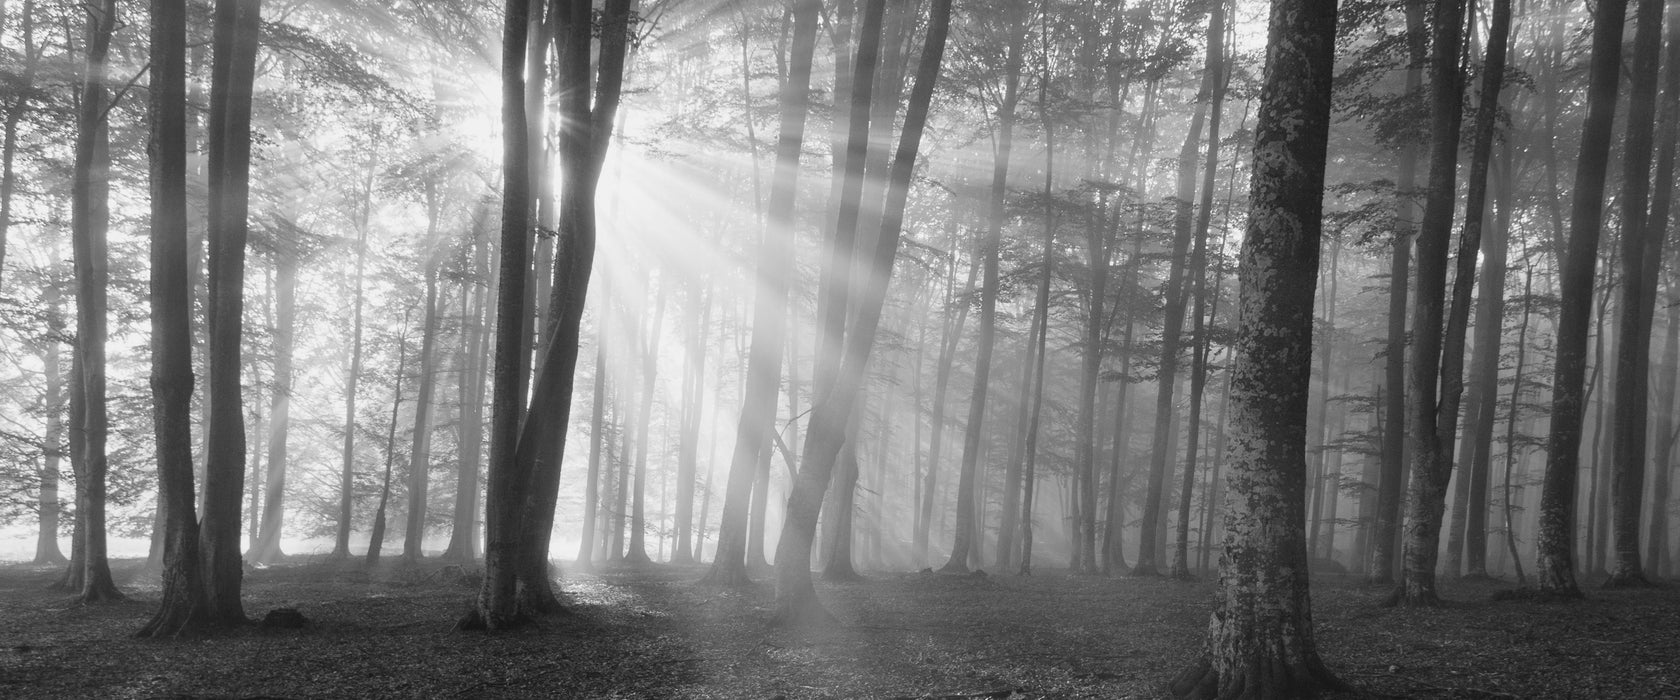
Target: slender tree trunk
[941,381]
[353,377]
[420,454]
[1511,422]
[376,536]
[975,428]
[475,346]
[266,547]
[597,428]
[22,91]
[1557,500]
[52,446]
[1260,636]
[90,220]
[1391,486]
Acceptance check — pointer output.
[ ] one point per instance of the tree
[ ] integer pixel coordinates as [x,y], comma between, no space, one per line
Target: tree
[796,600]
[1641,256]
[1432,378]
[90,221]
[525,450]
[1260,636]
[1556,567]
[287,244]
[988,252]
[353,377]
[182,608]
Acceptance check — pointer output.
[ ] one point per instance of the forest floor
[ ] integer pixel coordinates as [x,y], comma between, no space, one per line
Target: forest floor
[654,632]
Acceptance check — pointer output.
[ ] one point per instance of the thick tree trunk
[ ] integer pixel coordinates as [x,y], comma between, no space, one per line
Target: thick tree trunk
[182,609]
[90,221]
[1557,500]
[770,307]
[1260,636]
[233,73]
[1641,253]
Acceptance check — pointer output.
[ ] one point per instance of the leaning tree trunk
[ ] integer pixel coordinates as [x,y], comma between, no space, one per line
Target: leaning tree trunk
[233,73]
[796,599]
[1260,637]
[1556,568]
[776,255]
[90,221]
[182,609]
[1641,252]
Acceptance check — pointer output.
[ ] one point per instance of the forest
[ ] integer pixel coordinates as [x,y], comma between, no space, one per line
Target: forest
[839,348]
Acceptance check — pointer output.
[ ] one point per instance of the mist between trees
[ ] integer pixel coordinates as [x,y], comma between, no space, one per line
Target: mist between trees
[1201,289]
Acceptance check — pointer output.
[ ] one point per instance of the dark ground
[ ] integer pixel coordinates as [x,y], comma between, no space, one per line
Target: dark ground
[653,632]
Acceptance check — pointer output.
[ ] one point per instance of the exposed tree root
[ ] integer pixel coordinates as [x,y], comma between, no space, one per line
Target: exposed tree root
[1261,680]
[842,575]
[1404,597]
[477,620]
[954,567]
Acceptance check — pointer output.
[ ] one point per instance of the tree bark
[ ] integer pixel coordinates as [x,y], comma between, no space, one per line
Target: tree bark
[1641,256]
[1260,637]
[22,91]
[233,73]
[182,608]
[353,377]
[966,518]
[795,595]
[1668,135]
[266,548]
[776,257]
[1556,568]
[420,454]
[90,221]
[1391,487]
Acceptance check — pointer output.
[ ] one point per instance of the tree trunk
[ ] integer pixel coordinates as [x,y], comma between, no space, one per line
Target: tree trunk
[941,381]
[233,73]
[376,537]
[1213,87]
[795,595]
[182,609]
[90,221]
[52,449]
[974,430]
[420,454]
[266,548]
[1391,487]
[1431,379]
[597,429]
[770,307]
[1260,637]
[1557,500]
[353,376]
[1641,256]
[21,91]
[1668,135]
[475,346]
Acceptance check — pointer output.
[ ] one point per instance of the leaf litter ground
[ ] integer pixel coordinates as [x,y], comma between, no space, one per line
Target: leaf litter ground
[654,632]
